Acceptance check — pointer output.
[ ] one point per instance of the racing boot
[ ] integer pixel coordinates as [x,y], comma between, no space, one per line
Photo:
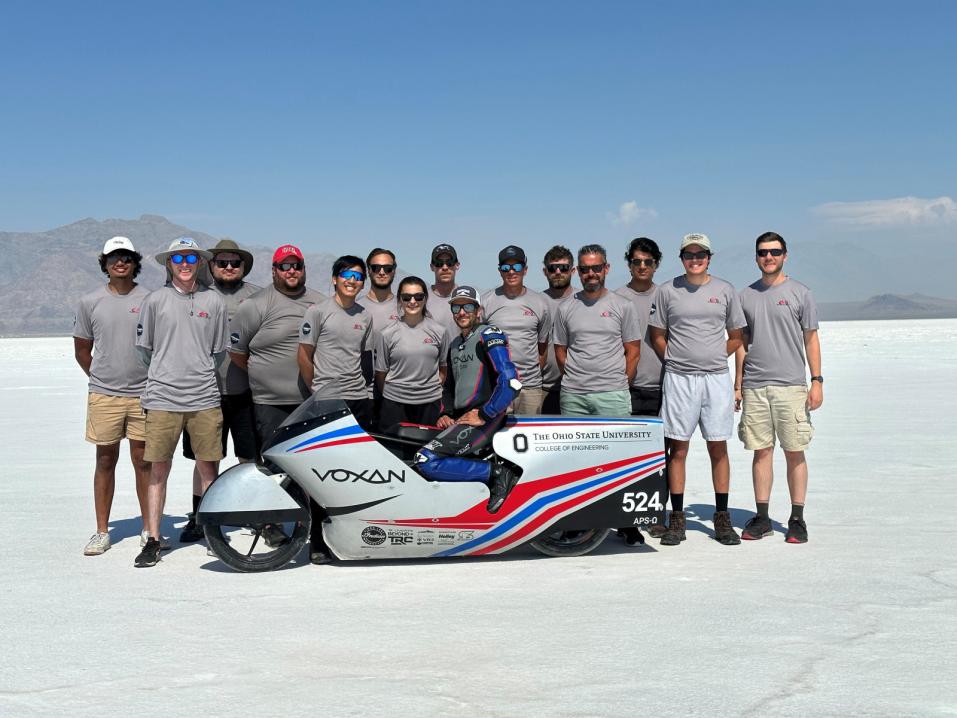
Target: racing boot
[500,484]
[675,532]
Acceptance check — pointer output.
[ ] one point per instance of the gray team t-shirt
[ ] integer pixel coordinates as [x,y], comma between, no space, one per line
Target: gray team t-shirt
[777,318]
[594,333]
[551,376]
[383,313]
[266,328]
[183,331]
[648,375]
[696,319]
[339,337]
[526,321]
[109,321]
[411,357]
[233,380]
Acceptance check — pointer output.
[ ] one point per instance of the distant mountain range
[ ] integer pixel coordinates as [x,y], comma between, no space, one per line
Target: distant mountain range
[44,273]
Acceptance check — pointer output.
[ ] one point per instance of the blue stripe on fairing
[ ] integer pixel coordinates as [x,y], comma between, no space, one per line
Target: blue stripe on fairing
[346,431]
[541,503]
[583,420]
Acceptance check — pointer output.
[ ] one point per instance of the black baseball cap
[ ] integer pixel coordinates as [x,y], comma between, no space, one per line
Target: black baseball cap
[440,249]
[512,254]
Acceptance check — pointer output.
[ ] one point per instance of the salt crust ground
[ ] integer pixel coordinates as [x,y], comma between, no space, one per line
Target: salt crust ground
[860,621]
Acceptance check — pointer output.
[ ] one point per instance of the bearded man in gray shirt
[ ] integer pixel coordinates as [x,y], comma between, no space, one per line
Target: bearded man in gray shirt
[182,337]
[781,336]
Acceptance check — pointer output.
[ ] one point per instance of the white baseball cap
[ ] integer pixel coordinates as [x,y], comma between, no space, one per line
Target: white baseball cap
[116,243]
[696,238]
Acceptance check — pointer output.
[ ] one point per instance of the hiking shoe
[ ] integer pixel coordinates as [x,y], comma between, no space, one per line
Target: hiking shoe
[150,555]
[675,533]
[797,531]
[191,532]
[98,543]
[631,535]
[724,532]
[501,483]
[164,540]
[757,528]
[274,536]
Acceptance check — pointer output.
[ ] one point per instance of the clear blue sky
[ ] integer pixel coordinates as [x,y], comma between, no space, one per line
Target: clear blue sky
[341,126]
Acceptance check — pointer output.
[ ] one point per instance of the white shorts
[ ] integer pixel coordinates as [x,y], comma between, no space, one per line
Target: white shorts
[705,400]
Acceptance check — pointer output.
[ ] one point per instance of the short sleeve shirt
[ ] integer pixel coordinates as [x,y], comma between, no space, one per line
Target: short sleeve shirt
[697,319]
[183,332]
[233,380]
[109,320]
[383,313]
[648,375]
[526,321]
[777,318]
[266,328]
[339,336]
[594,333]
[440,310]
[410,357]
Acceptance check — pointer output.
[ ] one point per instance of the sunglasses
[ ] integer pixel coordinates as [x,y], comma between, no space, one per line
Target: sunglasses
[695,255]
[562,268]
[514,267]
[468,307]
[641,262]
[384,268]
[125,258]
[444,263]
[417,296]
[591,268]
[188,258]
[228,263]
[352,274]
[773,252]
[286,266]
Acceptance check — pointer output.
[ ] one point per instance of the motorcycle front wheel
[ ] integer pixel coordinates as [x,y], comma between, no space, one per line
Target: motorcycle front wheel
[569,543]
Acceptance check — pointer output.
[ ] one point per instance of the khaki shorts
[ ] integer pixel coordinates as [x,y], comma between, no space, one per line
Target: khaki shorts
[163,429]
[528,402]
[111,418]
[775,411]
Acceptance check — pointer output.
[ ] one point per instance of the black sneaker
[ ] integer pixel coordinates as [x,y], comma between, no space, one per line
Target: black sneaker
[631,535]
[320,556]
[274,536]
[675,533]
[724,532]
[757,528]
[150,554]
[191,532]
[503,479]
[797,531]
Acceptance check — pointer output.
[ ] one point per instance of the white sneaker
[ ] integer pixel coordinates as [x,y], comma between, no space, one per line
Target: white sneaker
[164,540]
[98,543]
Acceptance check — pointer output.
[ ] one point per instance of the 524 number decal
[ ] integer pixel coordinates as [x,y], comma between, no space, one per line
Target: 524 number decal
[636,501]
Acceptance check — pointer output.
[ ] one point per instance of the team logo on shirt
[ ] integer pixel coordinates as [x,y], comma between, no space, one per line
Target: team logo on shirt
[429,340]
[306,328]
[783,303]
[234,338]
[606,314]
[358,326]
[139,330]
[203,315]
[528,313]
[134,310]
[653,309]
[714,300]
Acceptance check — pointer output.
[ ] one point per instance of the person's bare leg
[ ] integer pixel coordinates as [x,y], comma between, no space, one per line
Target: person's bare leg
[720,466]
[156,496]
[141,469]
[104,484]
[677,460]
[207,471]
[797,476]
[762,474]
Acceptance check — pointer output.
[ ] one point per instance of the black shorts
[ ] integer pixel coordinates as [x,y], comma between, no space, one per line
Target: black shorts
[239,421]
[552,403]
[645,402]
[395,412]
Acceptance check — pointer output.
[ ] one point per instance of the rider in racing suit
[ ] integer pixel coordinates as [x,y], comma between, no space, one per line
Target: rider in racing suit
[480,385]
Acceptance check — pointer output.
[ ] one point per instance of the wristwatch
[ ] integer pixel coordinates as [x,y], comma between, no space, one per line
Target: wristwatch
[818,378]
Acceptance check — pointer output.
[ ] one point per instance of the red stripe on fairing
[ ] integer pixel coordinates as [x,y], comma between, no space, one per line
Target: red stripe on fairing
[567,423]
[553,511]
[354,440]
[477,515]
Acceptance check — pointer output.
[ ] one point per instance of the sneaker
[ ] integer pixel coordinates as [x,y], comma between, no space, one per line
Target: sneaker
[191,532]
[797,531]
[501,483]
[319,556]
[150,555]
[164,540]
[724,532]
[675,533]
[631,535]
[274,536]
[757,528]
[98,543]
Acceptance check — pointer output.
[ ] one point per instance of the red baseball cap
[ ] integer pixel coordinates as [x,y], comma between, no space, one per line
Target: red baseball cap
[285,251]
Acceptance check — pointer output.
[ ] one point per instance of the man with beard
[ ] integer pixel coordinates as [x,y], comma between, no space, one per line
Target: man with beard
[104,332]
[382,305]
[445,265]
[228,268]
[597,343]
[558,268]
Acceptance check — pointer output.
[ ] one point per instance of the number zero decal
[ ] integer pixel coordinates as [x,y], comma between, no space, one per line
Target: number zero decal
[520,442]
[636,501]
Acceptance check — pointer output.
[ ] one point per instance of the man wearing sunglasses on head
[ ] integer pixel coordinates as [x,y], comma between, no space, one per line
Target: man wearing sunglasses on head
[381,303]
[697,324]
[480,383]
[780,338]
[181,335]
[558,268]
[228,268]
[104,335]
[445,265]
[332,337]
[597,343]
[525,317]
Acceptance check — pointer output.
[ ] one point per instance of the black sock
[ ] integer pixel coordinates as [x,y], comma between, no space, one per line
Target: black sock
[677,502]
[196,500]
[797,511]
[762,508]
[720,502]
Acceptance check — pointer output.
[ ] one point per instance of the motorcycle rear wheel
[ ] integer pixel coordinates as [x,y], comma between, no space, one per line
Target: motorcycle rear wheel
[569,543]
